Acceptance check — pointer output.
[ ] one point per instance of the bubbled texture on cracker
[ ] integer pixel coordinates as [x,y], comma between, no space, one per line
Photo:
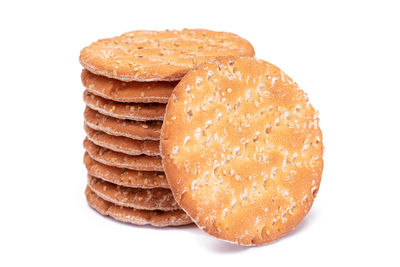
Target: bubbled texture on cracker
[159,55]
[242,150]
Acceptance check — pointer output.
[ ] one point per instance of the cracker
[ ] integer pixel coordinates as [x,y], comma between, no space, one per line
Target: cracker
[123,144]
[139,217]
[159,55]
[133,129]
[138,198]
[125,111]
[120,160]
[133,92]
[246,162]
[125,177]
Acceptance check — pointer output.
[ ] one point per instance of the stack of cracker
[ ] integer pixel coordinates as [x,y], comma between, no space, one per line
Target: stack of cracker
[128,81]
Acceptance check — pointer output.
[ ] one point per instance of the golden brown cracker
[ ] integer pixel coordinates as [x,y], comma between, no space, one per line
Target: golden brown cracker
[139,217]
[123,144]
[125,111]
[125,177]
[138,198]
[246,163]
[149,130]
[120,160]
[132,92]
[159,55]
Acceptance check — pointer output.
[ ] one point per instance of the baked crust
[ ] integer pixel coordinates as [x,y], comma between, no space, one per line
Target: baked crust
[242,150]
[159,55]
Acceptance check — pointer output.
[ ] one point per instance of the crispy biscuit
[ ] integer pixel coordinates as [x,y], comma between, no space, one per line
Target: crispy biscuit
[138,198]
[132,92]
[133,129]
[120,160]
[246,163]
[123,144]
[125,177]
[125,111]
[139,217]
[159,55]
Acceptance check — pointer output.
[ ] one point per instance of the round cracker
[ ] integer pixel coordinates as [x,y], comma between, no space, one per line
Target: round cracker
[139,217]
[120,160]
[132,129]
[125,177]
[246,162]
[125,111]
[159,55]
[123,144]
[138,198]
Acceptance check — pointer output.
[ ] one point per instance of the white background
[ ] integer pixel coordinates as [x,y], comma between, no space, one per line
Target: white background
[345,54]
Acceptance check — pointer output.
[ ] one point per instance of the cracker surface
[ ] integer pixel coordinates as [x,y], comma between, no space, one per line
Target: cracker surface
[159,55]
[242,150]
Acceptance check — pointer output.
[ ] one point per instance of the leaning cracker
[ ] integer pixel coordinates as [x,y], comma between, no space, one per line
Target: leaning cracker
[159,55]
[138,198]
[125,177]
[133,92]
[133,129]
[123,144]
[242,150]
[120,160]
[139,217]
[125,111]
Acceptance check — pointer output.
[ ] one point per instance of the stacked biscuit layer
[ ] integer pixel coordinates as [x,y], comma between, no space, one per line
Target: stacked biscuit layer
[125,176]
[128,81]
